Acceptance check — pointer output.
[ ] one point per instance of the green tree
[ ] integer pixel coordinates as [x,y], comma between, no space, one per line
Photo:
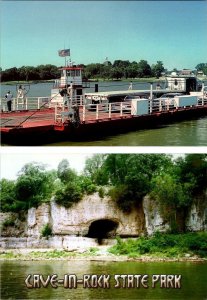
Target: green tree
[177,188]
[143,69]
[106,71]
[33,186]
[10,74]
[86,184]
[192,169]
[28,73]
[8,195]
[123,168]
[95,170]
[65,173]
[132,70]
[116,73]
[93,70]
[131,175]
[47,72]
[174,198]
[69,194]
[202,67]
[157,69]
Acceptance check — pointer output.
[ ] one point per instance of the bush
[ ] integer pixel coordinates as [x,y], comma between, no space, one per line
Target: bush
[69,195]
[46,231]
[86,185]
[8,222]
[101,192]
[123,197]
[90,189]
[170,245]
[196,242]
[93,250]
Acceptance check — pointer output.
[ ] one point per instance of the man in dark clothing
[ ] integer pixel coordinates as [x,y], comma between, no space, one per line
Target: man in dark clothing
[9,97]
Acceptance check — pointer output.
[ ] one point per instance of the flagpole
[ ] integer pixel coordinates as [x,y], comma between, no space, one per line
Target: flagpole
[65,56]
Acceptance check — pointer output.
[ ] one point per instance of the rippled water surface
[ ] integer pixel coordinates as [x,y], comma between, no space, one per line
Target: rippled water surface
[186,133]
[14,273]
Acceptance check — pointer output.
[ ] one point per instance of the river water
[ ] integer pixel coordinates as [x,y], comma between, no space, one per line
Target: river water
[14,273]
[186,133]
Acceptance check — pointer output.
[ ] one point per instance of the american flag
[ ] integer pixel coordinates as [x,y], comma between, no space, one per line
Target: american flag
[63,53]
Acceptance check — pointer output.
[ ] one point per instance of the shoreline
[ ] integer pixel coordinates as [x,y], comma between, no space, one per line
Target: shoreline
[49,254]
[144,79]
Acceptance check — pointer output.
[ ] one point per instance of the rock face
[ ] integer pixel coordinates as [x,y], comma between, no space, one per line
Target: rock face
[91,220]
[37,218]
[12,225]
[153,220]
[69,243]
[197,217]
[78,219]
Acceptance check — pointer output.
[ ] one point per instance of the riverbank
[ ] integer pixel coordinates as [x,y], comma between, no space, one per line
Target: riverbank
[17,82]
[93,80]
[93,254]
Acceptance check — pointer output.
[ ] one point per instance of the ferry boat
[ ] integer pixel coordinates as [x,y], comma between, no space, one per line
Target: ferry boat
[70,113]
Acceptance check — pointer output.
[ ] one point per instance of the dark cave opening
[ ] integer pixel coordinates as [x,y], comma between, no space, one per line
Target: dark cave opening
[102,229]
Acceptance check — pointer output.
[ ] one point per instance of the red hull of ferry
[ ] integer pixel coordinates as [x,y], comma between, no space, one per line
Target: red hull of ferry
[41,128]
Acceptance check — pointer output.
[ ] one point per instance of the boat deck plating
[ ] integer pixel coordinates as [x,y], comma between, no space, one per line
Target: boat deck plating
[42,118]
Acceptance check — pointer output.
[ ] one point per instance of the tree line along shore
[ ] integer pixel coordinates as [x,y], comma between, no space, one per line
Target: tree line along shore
[120,69]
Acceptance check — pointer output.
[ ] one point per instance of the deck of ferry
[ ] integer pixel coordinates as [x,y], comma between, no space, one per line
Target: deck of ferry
[46,117]
[31,127]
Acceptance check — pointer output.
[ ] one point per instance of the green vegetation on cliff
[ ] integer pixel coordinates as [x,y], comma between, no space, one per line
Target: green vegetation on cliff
[173,184]
[32,187]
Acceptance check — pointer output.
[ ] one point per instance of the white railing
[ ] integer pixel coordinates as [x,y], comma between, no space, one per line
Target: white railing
[63,82]
[32,103]
[27,103]
[159,105]
[94,111]
[100,111]
[64,109]
[79,100]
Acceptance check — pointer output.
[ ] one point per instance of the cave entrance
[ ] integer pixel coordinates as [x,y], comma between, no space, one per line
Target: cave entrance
[102,229]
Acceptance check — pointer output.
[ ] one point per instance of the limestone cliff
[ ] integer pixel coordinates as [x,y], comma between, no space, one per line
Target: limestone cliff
[89,221]
[78,219]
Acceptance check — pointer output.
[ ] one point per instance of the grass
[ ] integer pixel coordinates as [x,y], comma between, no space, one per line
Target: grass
[159,245]
[46,231]
[7,223]
[164,245]
[47,255]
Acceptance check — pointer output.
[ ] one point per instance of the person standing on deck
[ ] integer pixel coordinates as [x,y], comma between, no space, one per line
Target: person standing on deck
[9,98]
[21,95]
[130,86]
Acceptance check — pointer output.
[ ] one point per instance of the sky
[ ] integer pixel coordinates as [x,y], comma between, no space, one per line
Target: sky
[12,159]
[174,32]
[12,162]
